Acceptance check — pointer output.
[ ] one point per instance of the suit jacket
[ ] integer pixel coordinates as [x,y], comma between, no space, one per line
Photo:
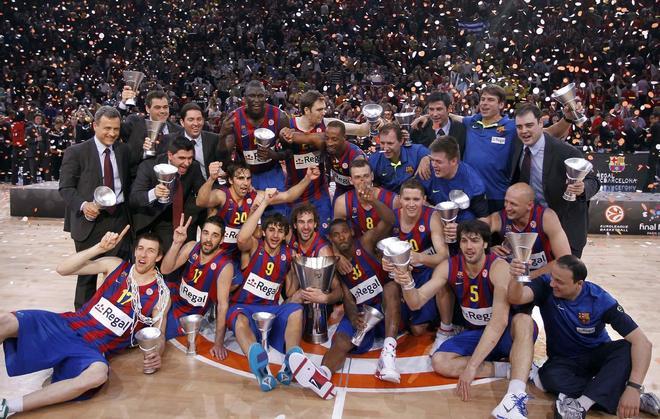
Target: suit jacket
[209,145]
[426,135]
[572,215]
[80,174]
[145,212]
[133,132]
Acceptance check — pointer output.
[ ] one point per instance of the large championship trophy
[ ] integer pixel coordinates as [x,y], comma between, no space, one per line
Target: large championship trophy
[576,170]
[566,97]
[148,339]
[371,317]
[166,173]
[264,321]
[191,325]
[153,129]
[372,112]
[133,79]
[405,120]
[521,246]
[104,197]
[315,272]
[448,213]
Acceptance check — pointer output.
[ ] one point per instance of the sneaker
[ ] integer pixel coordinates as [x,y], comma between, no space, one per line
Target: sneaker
[567,408]
[285,375]
[386,369]
[4,409]
[649,403]
[258,360]
[308,375]
[512,406]
[440,337]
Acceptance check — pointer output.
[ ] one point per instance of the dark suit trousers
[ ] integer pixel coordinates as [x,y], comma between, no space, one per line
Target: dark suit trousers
[86,285]
[600,374]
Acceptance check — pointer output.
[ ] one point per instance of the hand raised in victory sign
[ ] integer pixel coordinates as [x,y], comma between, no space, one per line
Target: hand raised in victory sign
[180,234]
[110,240]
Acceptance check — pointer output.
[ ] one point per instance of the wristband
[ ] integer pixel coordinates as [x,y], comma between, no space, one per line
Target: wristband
[409,286]
[636,386]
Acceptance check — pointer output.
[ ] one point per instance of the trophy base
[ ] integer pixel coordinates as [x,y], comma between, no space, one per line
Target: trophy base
[149,371]
[130,102]
[523,279]
[164,201]
[316,338]
[191,353]
[356,342]
[150,153]
[450,241]
[569,197]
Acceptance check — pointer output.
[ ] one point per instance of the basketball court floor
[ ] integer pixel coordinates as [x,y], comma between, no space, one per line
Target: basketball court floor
[199,386]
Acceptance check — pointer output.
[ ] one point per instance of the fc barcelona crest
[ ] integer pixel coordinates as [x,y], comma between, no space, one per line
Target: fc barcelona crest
[409,170]
[584,318]
[617,164]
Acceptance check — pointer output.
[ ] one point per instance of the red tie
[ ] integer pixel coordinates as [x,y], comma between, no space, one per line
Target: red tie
[108,176]
[177,202]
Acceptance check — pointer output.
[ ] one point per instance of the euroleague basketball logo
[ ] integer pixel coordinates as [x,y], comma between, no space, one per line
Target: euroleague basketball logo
[614,214]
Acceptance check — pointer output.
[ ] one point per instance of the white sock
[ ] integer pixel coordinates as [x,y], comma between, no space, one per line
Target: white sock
[326,371]
[15,405]
[516,387]
[389,344]
[502,369]
[585,402]
[446,327]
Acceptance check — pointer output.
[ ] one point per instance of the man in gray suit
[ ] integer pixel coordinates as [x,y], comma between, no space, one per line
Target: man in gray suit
[538,160]
[99,161]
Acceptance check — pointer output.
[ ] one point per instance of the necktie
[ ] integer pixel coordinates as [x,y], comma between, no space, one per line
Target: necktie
[526,167]
[108,175]
[440,133]
[177,202]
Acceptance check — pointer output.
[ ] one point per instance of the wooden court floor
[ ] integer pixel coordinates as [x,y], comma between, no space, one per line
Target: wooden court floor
[187,388]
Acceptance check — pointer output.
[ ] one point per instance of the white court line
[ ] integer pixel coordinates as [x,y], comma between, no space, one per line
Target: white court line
[340,399]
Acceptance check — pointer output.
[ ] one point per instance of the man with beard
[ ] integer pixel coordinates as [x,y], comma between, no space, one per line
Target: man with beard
[76,344]
[206,277]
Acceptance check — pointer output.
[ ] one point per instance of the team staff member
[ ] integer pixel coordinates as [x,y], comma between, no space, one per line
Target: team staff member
[439,123]
[585,367]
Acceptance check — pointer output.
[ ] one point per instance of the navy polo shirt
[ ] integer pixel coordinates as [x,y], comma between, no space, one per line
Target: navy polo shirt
[391,175]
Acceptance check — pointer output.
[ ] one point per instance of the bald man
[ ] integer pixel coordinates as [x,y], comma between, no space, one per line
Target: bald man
[522,215]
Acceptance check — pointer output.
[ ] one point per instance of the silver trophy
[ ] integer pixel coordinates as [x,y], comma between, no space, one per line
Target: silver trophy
[153,129]
[399,253]
[371,318]
[191,325]
[148,339]
[166,173]
[521,246]
[405,120]
[372,112]
[566,97]
[448,213]
[264,137]
[264,321]
[133,79]
[104,197]
[460,198]
[315,272]
[382,245]
[576,170]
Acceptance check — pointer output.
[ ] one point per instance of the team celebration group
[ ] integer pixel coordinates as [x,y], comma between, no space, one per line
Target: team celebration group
[211,224]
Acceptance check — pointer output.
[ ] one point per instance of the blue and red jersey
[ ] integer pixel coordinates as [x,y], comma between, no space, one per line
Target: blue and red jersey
[542,250]
[305,156]
[244,133]
[198,285]
[105,320]
[474,295]
[264,277]
[340,168]
[318,243]
[419,236]
[234,215]
[367,279]
[362,219]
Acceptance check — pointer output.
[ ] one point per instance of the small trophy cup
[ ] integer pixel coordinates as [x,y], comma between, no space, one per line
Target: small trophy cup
[566,97]
[153,129]
[148,339]
[371,318]
[191,325]
[399,253]
[460,198]
[382,245]
[166,173]
[264,321]
[405,119]
[264,137]
[133,80]
[448,213]
[372,112]
[521,246]
[315,272]
[104,197]
[576,169]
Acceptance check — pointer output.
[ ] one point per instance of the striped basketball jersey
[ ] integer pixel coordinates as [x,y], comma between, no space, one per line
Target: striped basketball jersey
[475,295]
[366,280]
[419,235]
[313,250]
[264,277]
[541,251]
[363,220]
[339,168]
[305,156]
[234,215]
[105,320]
[198,285]
[244,133]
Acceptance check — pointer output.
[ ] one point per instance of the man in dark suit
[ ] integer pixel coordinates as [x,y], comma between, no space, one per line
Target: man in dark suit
[439,123]
[538,159]
[134,127]
[99,161]
[151,215]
